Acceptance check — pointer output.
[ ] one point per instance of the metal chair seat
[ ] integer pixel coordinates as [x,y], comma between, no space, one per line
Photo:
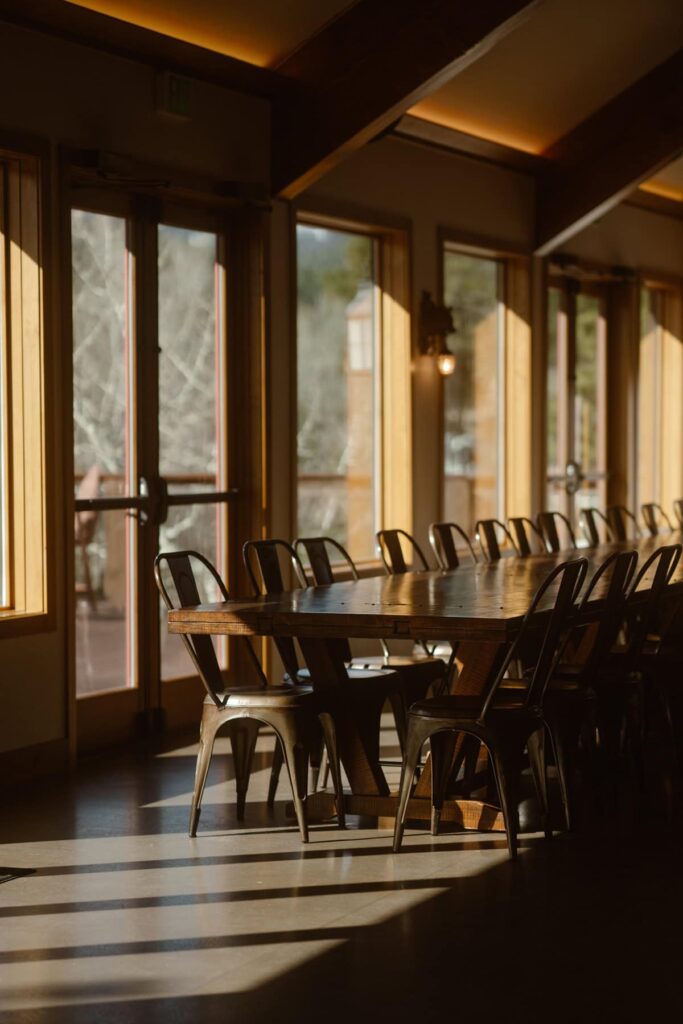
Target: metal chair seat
[271,697]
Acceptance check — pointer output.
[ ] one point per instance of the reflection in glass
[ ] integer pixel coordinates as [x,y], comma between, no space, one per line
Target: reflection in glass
[197,528]
[555,469]
[649,398]
[473,289]
[103,654]
[104,541]
[336,374]
[99,346]
[588,407]
[188,358]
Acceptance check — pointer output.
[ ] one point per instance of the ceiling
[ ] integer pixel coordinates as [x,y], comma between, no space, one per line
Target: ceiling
[562,63]
[261,32]
[668,182]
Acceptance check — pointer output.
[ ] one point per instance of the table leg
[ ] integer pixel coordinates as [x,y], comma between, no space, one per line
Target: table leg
[356,714]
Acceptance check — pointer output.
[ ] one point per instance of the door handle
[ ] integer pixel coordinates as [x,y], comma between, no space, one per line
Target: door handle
[154,510]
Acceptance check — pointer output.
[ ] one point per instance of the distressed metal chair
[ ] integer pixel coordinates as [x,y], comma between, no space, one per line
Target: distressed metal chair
[527,537]
[551,526]
[622,522]
[443,539]
[490,535]
[416,673]
[621,690]
[570,701]
[654,518]
[506,723]
[591,520]
[370,687]
[294,712]
[678,512]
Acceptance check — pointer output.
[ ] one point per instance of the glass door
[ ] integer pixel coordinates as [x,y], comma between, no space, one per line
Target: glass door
[150,430]
[576,475]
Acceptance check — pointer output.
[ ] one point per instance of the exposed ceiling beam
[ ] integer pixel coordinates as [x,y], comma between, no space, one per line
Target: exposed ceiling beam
[608,155]
[453,141]
[365,69]
[122,39]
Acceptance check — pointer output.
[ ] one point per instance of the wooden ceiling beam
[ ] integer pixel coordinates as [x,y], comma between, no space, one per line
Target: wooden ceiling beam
[366,68]
[599,163]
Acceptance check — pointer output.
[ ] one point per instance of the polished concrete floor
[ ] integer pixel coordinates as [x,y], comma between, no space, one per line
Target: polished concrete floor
[125,919]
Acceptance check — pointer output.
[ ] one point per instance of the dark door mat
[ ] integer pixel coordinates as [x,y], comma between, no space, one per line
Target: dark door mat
[7,874]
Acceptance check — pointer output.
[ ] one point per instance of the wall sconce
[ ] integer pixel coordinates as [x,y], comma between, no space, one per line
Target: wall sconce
[435,324]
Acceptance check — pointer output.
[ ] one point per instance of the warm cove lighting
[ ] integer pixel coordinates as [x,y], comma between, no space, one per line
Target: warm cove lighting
[184,22]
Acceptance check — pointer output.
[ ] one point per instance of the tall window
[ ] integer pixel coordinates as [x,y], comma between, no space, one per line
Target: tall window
[576,398]
[473,288]
[659,470]
[338,378]
[23,583]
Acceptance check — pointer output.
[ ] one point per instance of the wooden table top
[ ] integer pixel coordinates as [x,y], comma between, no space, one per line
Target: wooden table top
[473,602]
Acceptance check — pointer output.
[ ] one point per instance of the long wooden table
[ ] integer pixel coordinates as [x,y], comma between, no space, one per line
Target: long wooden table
[479,607]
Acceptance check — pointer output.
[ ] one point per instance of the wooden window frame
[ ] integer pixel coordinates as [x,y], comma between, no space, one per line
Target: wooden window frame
[22,231]
[394,458]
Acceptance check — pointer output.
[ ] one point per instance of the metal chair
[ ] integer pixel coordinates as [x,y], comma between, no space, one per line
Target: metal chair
[590,520]
[570,700]
[486,532]
[653,515]
[619,518]
[547,523]
[391,550]
[443,538]
[294,712]
[505,723]
[371,687]
[525,535]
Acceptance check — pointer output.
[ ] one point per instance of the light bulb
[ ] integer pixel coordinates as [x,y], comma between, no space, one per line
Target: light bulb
[445,362]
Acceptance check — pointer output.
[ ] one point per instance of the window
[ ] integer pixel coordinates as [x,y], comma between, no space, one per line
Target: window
[354,430]
[659,448]
[23,578]
[576,469]
[338,387]
[473,395]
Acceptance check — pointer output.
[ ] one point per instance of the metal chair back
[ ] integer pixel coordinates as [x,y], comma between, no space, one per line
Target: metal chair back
[487,533]
[568,578]
[643,603]
[678,512]
[264,556]
[619,519]
[653,516]
[549,525]
[591,519]
[443,539]
[525,533]
[391,549]
[320,567]
[199,646]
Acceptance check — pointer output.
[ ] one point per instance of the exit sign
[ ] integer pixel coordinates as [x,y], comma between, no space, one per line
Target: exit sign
[173,95]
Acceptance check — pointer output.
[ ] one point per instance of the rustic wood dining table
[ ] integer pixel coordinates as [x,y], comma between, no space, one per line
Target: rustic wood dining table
[478,607]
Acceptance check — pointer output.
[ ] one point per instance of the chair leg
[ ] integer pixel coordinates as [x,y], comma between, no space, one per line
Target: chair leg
[442,746]
[536,749]
[296,754]
[243,736]
[416,735]
[207,737]
[507,765]
[329,732]
[275,769]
